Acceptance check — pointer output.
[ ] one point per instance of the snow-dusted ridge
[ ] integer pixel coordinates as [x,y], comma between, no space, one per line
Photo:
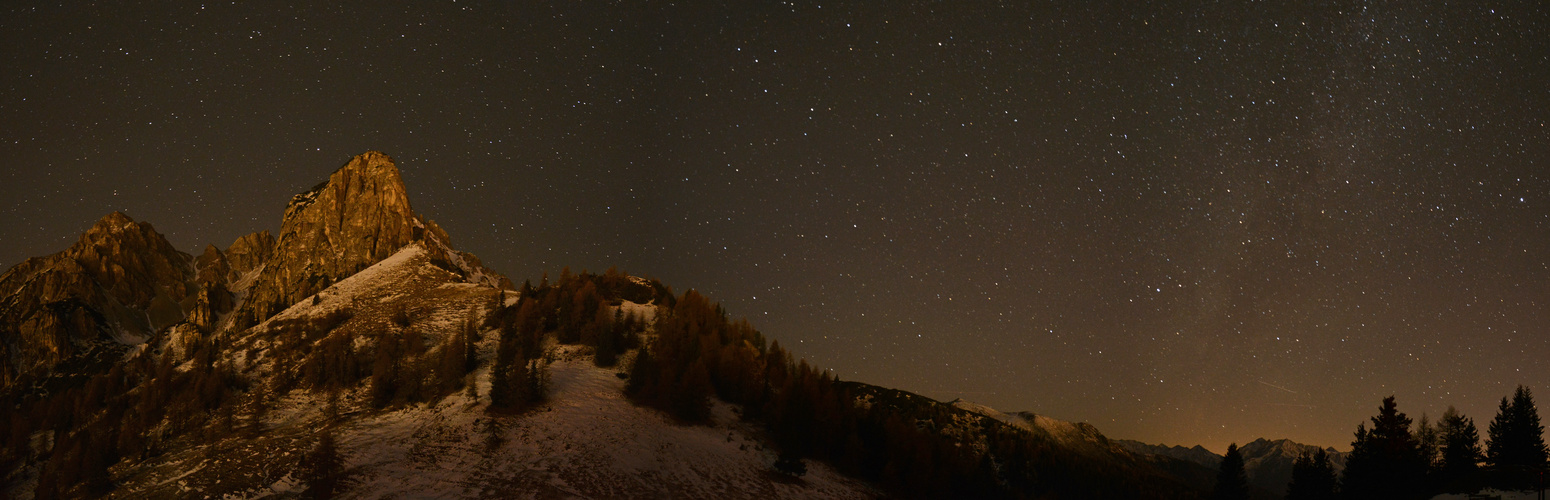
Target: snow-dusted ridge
[586,441]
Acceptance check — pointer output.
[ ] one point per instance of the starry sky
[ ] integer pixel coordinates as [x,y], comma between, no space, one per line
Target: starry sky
[1183,222]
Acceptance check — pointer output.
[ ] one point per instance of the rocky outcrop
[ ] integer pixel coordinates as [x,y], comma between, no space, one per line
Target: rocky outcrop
[248,253]
[123,282]
[213,297]
[211,266]
[120,283]
[356,218]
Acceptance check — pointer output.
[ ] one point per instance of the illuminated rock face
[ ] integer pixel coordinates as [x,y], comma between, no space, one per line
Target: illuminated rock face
[119,284]
[358,217]
[123,283]
[248,253]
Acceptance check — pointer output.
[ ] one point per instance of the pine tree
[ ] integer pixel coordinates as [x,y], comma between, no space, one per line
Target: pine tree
[1313,477]
[1385,462]
[1458,471]
[510,382]
[1515,447]
[1232,483]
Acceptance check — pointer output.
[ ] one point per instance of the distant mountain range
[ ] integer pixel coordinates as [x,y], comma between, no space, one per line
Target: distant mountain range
[1267,463]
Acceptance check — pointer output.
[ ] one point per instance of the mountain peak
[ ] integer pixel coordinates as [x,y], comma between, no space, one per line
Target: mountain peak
[370,175]
[116,226]
[116,219]
[356,218]
[120,283]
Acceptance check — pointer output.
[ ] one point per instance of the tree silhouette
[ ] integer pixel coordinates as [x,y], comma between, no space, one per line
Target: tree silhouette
[1459,468]
[1515,446]
[1385,462]
[1231,481]
[1313,477]
[384,370]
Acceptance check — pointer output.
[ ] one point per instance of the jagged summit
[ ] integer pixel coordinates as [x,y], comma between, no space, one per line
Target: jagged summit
[118,284]
[248,253]
[122,282]
[112,221]
[358,217]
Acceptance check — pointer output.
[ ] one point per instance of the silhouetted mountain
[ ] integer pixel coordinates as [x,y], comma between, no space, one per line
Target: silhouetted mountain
[1198,454]
[1268,463]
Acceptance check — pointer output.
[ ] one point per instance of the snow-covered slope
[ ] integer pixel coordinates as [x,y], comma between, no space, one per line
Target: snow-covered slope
[586,441]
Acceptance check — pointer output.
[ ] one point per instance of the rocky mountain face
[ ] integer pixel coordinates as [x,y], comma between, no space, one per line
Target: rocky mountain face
[358,217]
[123,283]
[247,254]
[119,284]
[1267,463]
[358,353]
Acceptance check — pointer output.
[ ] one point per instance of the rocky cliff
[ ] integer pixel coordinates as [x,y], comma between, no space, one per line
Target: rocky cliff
[119,284]
[247,254]
[356,218]
[123,282]
[213,298]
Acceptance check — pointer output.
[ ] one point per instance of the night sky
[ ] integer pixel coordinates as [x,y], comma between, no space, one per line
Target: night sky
[1189,224]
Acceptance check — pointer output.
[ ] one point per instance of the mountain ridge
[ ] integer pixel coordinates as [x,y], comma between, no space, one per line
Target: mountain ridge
[360,314]
[357,217]
[1268,463]
[119,283]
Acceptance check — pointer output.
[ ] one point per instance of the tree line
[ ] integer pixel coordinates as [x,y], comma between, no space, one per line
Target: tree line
[909,445]
[575,310]
[1400,458]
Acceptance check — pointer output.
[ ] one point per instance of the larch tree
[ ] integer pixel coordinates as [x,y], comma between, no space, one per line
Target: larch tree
[1459,469]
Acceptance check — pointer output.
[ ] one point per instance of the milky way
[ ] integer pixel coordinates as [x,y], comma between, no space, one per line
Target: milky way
[1184,224]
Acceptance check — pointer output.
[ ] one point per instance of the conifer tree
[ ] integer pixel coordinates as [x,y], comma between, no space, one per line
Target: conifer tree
[508,378]
[1515,447]
[1313,477]
[1384,462]
[1232,483]
[1459,468]
[510,384]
